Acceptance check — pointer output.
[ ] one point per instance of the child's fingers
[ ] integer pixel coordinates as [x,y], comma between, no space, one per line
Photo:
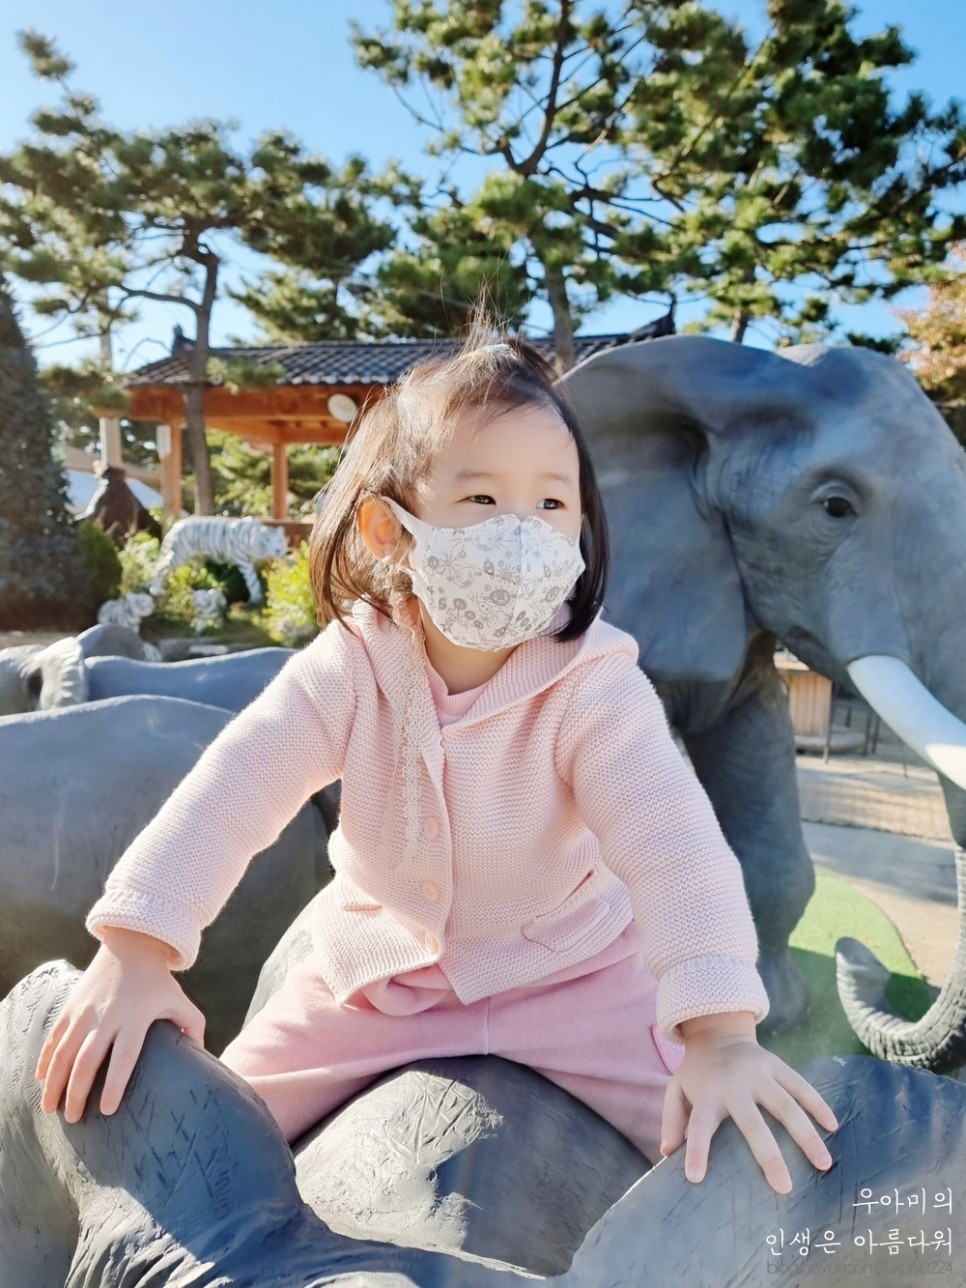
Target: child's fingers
[124,1056]
[89,1058]
[763,1145]
[807,1096]
[59,1066]
[190,1021]
[50,1046]
[674,1119]
[702,1125]
[781,1104]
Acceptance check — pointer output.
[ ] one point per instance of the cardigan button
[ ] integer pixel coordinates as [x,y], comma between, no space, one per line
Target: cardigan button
[431,829]
[432,943]
[430,891]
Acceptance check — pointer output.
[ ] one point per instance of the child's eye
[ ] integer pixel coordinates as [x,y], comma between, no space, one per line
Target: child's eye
[482,500]
[550,503]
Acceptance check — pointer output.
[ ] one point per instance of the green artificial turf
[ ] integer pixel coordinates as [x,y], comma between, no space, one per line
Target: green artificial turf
[835,911]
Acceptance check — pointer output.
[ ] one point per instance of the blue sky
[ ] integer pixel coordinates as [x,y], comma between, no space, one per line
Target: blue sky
[289,64]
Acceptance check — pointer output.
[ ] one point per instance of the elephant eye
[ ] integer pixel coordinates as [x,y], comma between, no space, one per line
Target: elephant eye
[838,507]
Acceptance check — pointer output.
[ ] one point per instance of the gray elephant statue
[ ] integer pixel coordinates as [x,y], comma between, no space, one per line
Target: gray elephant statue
[38,677]
[231,680]
[472,1173]
[815,497]
[78,784]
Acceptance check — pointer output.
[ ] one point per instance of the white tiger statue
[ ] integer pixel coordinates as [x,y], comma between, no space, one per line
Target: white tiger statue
[242,542]
[127,611]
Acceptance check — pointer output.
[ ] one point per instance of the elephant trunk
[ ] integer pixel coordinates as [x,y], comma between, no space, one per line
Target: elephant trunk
[938,1040]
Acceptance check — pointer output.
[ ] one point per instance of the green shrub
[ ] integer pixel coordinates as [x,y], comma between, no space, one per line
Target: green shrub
[102,562]
[289,607]
[138,557]
[228,579]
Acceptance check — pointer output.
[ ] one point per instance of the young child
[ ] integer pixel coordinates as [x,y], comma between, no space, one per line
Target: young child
[524,864]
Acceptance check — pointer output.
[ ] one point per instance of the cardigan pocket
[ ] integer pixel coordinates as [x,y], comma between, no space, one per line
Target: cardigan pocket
[562,933]
[352,899]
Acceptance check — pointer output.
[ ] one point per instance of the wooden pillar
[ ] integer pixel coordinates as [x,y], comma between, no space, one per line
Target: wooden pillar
[279,481]
[169,450]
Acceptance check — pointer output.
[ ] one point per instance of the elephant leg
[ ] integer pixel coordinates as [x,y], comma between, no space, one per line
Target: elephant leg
[746,764]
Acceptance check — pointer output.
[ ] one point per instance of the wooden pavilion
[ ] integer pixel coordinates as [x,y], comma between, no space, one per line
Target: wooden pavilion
[323,386]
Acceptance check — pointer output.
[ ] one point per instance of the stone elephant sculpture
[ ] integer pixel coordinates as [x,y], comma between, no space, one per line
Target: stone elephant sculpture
[38,677]
[230,681]
[814,496]
[471,1172]
[77,785]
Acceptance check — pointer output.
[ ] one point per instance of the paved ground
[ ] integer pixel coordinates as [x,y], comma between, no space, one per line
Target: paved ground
[879,821]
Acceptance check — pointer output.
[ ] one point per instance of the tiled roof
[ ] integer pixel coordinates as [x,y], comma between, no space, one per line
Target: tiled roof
[342,362]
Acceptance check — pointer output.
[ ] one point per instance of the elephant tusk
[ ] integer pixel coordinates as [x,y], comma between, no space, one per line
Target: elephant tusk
[907,706]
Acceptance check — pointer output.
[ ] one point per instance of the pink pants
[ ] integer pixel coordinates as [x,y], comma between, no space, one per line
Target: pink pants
[589,1028]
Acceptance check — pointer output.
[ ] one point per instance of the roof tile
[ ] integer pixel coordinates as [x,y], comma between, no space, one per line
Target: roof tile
[344,362]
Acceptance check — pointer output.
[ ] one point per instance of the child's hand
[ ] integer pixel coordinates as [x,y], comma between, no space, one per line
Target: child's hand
[124,990]
[726,1074]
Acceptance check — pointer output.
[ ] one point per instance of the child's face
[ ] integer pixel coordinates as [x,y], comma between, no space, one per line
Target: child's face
[522,462]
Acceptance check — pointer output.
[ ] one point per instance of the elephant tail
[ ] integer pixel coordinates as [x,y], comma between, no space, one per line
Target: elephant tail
[937,1041]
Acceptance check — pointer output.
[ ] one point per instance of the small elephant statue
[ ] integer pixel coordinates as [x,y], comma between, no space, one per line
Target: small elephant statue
[37,677]
[815,497]
[78,784]
[242,542]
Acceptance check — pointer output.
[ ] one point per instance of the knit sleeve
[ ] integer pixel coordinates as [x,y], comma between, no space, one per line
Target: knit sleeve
[659,834]
[290,742]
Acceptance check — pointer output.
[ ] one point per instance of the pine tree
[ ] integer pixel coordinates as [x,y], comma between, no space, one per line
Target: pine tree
[652,147]
[101,219]
[43,580]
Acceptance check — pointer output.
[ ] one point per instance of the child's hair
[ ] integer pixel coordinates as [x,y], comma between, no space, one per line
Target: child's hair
[391,449]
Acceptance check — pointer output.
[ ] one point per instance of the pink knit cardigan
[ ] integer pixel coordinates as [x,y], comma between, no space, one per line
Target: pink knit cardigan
[507,845]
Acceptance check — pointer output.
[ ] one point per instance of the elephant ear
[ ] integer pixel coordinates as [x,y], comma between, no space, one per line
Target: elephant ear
[651,412]
[57,676]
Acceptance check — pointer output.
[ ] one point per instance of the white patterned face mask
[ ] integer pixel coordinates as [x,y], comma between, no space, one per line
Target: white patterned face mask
[494,584]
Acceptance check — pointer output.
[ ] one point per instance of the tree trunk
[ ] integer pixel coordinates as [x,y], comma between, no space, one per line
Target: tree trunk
[739,325]
[194,420]
[194,398]
[565,352]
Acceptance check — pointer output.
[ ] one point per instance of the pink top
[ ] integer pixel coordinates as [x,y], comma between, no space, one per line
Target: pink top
[505,844]
[450,707]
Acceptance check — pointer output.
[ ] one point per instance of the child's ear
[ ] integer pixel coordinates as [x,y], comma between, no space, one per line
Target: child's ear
[378,527]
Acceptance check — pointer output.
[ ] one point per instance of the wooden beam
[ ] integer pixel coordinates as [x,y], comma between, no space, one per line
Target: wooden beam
[279,481]
[160,402]
[171,466]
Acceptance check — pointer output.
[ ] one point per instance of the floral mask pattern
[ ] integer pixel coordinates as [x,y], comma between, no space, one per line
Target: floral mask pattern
[493,584]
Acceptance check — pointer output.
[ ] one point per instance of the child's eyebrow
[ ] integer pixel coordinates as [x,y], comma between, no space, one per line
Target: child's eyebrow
[465,475]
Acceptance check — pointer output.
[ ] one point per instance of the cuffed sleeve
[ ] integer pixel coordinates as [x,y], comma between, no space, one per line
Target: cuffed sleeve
[178,873]
[659,834]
